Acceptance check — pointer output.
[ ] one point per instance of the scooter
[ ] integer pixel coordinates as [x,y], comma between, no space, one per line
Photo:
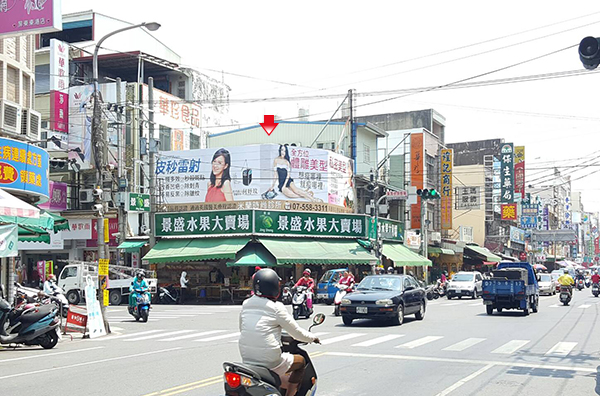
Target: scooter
[580,284]
[168,295]
[286,295]
[595,289]
[300,303]
[248,380]
[141,309]
[565,294]
[34,325]
[337,300]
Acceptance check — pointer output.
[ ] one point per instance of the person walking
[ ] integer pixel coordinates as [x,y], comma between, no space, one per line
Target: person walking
[183,281]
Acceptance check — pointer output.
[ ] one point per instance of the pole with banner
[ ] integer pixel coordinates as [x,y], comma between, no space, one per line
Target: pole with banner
[103,279]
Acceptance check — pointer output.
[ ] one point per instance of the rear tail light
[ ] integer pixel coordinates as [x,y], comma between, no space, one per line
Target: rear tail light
[233,380]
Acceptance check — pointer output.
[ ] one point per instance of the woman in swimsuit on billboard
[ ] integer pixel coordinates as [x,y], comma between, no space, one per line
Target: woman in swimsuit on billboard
[281,173]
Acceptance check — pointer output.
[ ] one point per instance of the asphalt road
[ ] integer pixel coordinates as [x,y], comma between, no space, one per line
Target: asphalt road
[456,350]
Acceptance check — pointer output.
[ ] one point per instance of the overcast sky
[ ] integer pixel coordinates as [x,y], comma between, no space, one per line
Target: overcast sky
[316,48]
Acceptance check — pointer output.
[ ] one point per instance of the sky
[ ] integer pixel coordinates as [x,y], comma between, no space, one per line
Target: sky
[285,50]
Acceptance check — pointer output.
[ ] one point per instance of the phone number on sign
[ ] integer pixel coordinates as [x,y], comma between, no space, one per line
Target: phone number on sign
[310,207]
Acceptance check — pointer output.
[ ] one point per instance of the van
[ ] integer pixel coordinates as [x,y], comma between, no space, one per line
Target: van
[326,287]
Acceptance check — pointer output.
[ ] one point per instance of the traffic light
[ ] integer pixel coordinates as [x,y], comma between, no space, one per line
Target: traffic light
[589,52]
[428,194]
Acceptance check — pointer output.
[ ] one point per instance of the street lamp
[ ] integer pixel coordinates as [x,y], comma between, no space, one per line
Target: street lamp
[99,144]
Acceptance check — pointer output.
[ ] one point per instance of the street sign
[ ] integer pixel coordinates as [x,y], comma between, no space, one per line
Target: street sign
[393,195]
[103,266]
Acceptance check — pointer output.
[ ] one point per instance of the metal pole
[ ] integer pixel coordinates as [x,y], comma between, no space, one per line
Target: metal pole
[152,170]
[327,123]
[120,143]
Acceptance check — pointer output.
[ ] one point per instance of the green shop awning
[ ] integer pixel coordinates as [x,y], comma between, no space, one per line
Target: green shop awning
[403,256]
[45,222]
[483,252]
[252,255]
[180,250]
[60,223]
[438,250]
[313,251]
[132,246]
[33,234]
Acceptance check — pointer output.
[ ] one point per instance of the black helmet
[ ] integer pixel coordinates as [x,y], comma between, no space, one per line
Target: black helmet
[266,283]
[140,274]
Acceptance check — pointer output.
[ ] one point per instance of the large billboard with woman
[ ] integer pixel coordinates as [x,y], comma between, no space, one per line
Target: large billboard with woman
[267,176]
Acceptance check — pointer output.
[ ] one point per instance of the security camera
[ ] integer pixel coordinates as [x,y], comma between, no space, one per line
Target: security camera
[98,207]
[97,192]
[589,52]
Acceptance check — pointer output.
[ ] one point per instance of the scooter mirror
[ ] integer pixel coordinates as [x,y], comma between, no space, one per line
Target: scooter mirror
[318,319]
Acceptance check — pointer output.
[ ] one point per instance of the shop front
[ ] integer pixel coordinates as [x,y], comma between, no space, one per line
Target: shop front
[219,250]
[477,258]
[444,260]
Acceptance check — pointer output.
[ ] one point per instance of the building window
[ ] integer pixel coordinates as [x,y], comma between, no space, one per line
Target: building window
[26,91]
[165,138]
[326,145]
[366,154]
[194,141]
[181,89]
[12,84]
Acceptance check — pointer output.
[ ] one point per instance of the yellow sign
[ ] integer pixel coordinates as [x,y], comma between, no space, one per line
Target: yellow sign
[103,266]
[49,268]
[106,229]
[519,154]
[105,298]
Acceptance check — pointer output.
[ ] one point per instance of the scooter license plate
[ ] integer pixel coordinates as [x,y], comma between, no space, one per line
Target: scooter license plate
[322,295]
[361,310]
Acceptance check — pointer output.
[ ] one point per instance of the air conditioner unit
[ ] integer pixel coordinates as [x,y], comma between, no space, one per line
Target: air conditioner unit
[10,117]
[31,122]
[86,196]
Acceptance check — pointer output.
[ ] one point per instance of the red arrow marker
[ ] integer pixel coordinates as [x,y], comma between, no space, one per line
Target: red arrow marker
[269,125]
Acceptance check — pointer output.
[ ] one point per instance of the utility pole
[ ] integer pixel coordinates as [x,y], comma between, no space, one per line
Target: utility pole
[120,143]
[353,153]
[152,169]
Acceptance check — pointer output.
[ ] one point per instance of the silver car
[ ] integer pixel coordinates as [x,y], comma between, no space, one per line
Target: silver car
[465,284]
[547,284]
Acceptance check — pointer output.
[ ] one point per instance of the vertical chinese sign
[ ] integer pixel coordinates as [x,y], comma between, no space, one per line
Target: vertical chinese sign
[59,86]
[446,187]
[416,176]
[507,169]
[520,171]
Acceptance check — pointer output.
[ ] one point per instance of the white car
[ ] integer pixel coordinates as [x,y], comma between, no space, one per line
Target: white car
[465,284]
[547,284]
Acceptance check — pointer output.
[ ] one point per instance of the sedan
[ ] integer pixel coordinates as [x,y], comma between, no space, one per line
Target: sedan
[385,297]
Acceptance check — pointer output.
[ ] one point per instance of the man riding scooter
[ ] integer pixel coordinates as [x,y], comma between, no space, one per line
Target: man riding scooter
[138,284]
[595,284]
[261,321]
[580,280]
[309,282]
[566,283]
[344,285]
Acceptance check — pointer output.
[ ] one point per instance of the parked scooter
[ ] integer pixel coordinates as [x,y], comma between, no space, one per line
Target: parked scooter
[247,380]
[300,303]
[141,308]
[566,294]
[595,289]
[286,293]
[168,295]
[33,324]
[31,295]
[337,300]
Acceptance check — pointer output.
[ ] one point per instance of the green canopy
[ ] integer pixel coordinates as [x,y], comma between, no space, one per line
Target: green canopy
[60,223]
[317,251]
[33,234]
[252,255]
[483,253]
[403,256]
[438,250]
[45,222]
[132,246]
[180,250]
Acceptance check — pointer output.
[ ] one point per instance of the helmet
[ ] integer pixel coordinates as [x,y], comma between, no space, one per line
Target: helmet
[266,283]
[52,277]
[390,270]
[306,272]
[566,271]
[140,274]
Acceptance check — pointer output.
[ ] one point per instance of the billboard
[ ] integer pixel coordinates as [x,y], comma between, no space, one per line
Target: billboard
[446,184]
[23,167]
[255,177]
[520,172]
[416,176]
[18,17]
[507,186]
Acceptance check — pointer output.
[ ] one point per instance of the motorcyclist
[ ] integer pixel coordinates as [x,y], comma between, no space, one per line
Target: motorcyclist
[347,279]
[595,278]
[261,321]
[565,279]
[390,270]
[138,284]
[309,282]
[580,276]
[50,285]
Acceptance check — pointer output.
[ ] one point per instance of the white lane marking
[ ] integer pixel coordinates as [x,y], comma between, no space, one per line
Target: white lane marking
[561,349]
[204,333]
[378,340]
[463,381]
[126,335]
[461,346]
[221,337]
[511,347]
[149,337]
[419,342]
[576,368]
[341,338]
[584,306]
[449,304]
[555,305]
[88,363]
[49,354]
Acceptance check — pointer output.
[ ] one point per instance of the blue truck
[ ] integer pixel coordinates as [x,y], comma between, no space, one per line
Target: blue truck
[326,287]
[512,286]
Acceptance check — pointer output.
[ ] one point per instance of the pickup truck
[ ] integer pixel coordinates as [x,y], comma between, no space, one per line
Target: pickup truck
[512,286]
[72,281]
